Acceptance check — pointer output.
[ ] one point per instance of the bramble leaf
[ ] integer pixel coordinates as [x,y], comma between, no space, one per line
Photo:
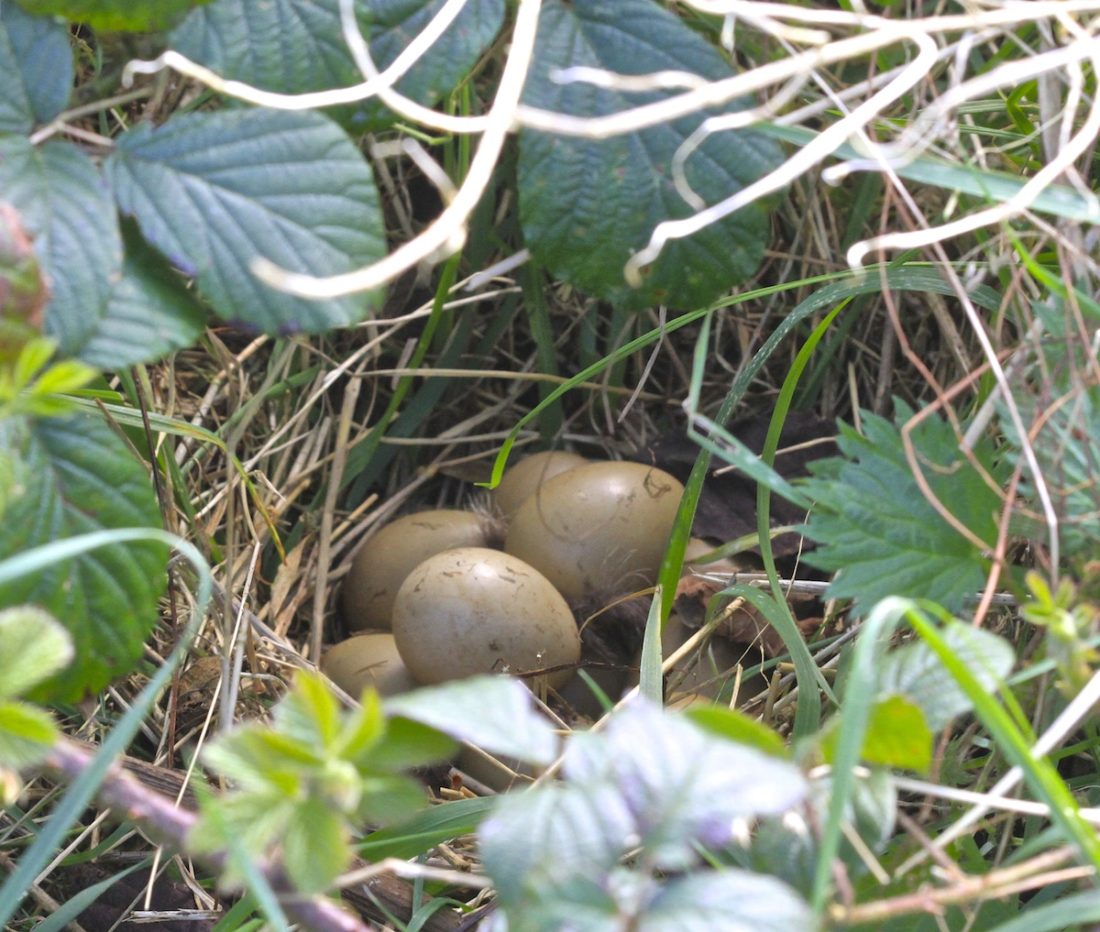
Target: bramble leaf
[215,191]
[150,312]
[36,68]
[75,476]
[65,208]
[297,46]
[876,528]
[587,204]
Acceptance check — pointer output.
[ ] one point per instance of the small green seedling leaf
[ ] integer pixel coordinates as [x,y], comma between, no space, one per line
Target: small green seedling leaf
[914,671]
[26,734]
[36,68]
[877,529]
[587,204]
[74,475]
[493,712]
[116,15]
[214,192]
[33,647]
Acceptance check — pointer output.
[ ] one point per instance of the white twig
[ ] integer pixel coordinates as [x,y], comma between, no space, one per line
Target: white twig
[447,232]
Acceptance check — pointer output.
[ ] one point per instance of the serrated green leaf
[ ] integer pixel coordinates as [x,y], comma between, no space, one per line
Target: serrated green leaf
[729,723]
[315,846]
[493,712]
[150,312]
[427,829]
[874,525]
[26,734]
[116,15]
[65,206]
[309,714]
[36,69]
[297,46]
[215,191]
[33,647]
[586,205]
[77,476]
[914,671]
[388,799]
[726,899]
[897,736]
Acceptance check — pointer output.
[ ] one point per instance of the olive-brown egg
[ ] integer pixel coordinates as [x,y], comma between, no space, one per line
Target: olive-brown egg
[367,660]
[597,530]
[474,610]
[522,480]
[384,560]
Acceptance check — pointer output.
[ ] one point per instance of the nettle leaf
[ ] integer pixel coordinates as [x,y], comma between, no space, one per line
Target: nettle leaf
[33,647]
[65,206]
[914,671]
[726,899]
[297,46]
[493,712]
[150,311]
[874,525]
[36,69]
[77,476]
[587,204]
[118,15]
[214,191]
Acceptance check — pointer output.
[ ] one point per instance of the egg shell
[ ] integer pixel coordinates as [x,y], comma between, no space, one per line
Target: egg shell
[522,480]
[384,560]
[367,660]
[474,610]
[598,530]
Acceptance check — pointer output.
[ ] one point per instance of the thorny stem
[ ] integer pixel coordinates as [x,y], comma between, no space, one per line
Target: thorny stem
[170,825]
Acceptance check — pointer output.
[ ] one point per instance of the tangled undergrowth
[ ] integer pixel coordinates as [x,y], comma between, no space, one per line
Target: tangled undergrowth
[965,365]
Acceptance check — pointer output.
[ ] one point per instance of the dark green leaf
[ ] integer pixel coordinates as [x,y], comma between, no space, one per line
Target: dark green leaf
[427,829]
[215,191]
[26,734]
[66,209]
[315,846]
[874,525]
[586,205]
[493,712]
[914,671]
[726,899]
[150,312]
[33,647]
[36,69]
[296,46]
[121,15]
[897,736]
[77,477]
